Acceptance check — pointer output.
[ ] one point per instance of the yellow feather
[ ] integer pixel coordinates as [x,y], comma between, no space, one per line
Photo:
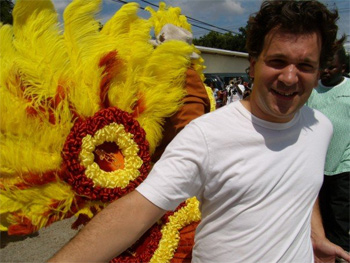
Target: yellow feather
[121,21]
[35,28]
[7,50]
[81,35]
[39,211]
[167,15]
[163,87]
[41,90]
[172,15]
[128,35]
[81,29]
[24,9]
[37,153]
[86,210]
[211,98]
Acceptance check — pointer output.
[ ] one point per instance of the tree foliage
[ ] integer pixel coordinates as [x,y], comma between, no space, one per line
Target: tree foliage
[347,68]
[226,41]
[236,42]
[6,7]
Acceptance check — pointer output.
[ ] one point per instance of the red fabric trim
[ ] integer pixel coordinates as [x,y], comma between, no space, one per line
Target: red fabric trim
[74,172]
[143,250]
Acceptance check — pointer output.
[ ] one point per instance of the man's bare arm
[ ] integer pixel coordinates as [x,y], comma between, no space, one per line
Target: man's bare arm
[324,250]
[112,231]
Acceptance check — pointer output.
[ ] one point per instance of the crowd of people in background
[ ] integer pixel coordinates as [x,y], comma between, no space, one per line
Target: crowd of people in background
[226,93]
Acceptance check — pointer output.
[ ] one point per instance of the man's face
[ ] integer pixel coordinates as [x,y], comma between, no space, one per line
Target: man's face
[284,74]
[333,74]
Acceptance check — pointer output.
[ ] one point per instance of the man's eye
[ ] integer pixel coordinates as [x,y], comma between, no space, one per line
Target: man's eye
[276,63]
[306,67]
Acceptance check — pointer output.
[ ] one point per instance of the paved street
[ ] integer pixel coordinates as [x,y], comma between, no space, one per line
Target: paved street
[38,247]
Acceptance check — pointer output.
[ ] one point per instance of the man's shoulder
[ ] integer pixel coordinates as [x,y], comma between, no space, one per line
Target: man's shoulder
[321,92]
[314,117]
[345,85]
[222,116]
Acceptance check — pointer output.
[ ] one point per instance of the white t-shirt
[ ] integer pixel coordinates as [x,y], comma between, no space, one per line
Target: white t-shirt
[241,87]
[256,181]
[237,96]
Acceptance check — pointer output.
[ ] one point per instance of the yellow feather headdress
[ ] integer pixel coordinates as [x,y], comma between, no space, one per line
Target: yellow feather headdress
[82,112]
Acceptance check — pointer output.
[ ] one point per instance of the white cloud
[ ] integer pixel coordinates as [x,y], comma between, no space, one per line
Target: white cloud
[230,14]
[208,9]
[233,7]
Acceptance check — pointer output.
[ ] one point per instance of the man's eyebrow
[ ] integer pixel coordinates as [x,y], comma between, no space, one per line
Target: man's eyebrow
[280,55]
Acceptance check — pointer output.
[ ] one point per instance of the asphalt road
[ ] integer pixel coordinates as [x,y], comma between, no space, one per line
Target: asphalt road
[37,247]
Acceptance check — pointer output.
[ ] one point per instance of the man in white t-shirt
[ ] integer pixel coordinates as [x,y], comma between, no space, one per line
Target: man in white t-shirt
[237,93]
[240,85]
[255,165]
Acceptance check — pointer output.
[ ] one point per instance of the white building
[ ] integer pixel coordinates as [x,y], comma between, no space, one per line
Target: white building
[224,63]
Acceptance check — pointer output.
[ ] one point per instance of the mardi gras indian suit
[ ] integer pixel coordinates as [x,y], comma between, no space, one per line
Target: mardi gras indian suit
[82,111]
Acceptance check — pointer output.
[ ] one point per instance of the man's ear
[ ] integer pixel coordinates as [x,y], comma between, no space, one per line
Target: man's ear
[252,62]
[343,68]
[318,77]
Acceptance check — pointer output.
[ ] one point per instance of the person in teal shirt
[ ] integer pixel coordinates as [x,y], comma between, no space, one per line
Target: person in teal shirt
[332,98]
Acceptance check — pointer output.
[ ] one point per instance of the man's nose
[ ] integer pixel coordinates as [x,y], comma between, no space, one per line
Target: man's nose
[326,70]
[289,75]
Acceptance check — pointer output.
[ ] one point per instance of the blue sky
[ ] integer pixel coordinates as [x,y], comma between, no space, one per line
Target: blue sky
[227,14]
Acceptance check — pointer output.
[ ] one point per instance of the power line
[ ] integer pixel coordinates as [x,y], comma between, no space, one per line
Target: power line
[229,31]
[205,28]
[189,18]
[196,20]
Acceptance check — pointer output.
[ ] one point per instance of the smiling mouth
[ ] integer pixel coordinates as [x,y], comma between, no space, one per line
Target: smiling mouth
[284,94]
[325,76]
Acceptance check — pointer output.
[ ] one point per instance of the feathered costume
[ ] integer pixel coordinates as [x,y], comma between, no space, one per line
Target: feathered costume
[82,113]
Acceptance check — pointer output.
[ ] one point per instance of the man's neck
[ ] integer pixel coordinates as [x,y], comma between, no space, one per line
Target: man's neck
[330,85]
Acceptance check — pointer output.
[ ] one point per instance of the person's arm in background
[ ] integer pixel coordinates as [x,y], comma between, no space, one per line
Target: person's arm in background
[324,250]
[111,231]
[195,103]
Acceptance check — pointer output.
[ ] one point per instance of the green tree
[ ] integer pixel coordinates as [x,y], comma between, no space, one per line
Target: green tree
[6,7]
[226,41]
[347,69]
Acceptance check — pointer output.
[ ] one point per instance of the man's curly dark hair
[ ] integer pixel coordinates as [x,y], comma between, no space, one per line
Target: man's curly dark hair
[294,17]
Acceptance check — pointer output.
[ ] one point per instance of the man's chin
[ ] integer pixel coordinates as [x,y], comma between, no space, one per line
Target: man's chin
[325,81]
